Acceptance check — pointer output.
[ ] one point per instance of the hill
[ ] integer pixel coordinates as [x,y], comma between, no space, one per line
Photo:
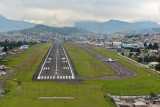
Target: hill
[113,26]
[10,25]
[59,30]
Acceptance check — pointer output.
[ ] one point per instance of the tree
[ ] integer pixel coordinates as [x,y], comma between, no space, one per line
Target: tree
[158,59]
[122,53]
[130,54]
[157,67]
[150,46]
[138,50]
[140,59]
[155,46]
[10,47]
[6,41]
[131,50]
[118,50]
[5,48]
[153,58]
[146,59]
[145,44]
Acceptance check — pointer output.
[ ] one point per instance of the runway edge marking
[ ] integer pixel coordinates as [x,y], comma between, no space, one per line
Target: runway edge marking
[44,63]
[68,62]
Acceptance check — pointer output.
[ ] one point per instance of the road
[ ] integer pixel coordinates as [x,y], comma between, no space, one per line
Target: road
[56,65]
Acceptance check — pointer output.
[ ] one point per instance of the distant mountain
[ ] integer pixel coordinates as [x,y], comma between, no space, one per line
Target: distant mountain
[59,30]
[10,25]
[113,26]
[142,31]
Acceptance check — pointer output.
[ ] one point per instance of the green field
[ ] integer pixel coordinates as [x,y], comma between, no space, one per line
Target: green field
[87,68]
[88,94]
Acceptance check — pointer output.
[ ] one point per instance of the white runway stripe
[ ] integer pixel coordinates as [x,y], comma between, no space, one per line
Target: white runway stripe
[41,77]
[44,77]
[60,77]
[50,77]
[63,77]
[57,77]
[53,77]
[47,77]
[72,77]
[66,77]
[69,77]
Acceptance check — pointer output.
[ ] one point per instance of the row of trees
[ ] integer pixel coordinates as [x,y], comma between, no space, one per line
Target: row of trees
[10,45]
[147,59]
[150,46]
[135,50]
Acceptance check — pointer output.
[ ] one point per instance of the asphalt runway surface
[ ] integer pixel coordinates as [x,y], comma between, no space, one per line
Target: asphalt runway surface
[121,71]
[55,65]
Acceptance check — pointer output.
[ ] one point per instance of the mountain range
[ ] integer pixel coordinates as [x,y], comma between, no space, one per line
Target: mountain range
[141,31]
[113,26]
[109,27]
[10,25]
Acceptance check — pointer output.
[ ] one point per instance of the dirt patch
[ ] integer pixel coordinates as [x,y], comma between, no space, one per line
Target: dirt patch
[19,88]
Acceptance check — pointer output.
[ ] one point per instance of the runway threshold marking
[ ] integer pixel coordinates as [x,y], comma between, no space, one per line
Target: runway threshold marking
[44,63]
[68,61]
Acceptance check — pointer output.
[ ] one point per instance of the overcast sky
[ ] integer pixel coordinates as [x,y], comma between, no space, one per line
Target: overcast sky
[66,12]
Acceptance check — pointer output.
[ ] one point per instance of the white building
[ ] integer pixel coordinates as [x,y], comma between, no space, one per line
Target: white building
[23,47]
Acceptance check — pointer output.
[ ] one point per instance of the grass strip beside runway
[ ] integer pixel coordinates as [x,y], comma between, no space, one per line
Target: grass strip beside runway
[87,68]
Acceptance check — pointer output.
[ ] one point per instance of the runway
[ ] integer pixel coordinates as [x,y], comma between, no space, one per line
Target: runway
[56,65]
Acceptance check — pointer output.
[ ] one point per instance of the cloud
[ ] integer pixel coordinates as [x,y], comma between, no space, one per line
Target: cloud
[66,12]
